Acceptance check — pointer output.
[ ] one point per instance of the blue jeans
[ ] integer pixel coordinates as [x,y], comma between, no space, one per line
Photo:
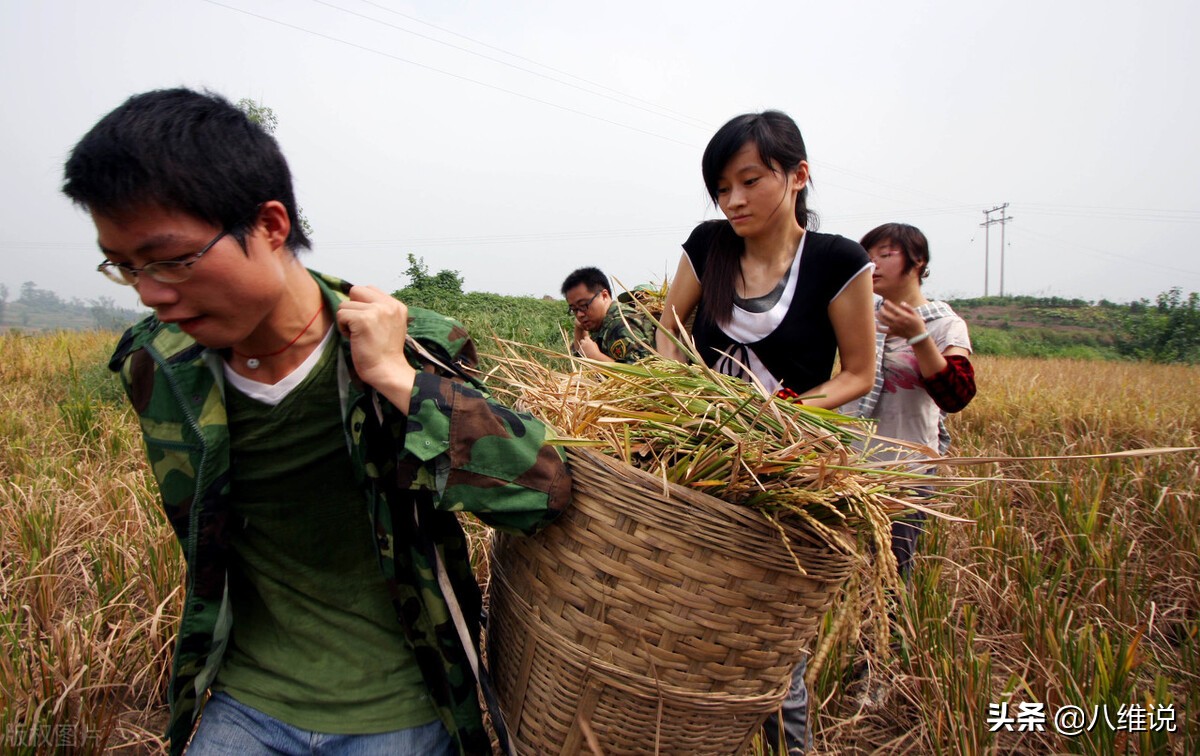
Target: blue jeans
[905,534]
[797,731]
[230,728]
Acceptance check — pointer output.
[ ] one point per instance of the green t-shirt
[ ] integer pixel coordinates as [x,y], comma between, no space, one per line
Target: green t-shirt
[316,642]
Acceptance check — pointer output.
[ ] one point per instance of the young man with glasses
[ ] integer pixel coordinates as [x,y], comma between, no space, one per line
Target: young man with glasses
[605,329]
[311,441]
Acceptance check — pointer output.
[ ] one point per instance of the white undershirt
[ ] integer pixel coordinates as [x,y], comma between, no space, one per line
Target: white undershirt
[274,393]
[748,327]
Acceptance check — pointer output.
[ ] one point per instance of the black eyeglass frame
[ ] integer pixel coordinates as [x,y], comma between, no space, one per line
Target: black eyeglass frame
[176,270]
[575,311]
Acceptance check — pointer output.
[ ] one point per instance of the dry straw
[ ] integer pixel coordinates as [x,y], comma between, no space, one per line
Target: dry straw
[713,526]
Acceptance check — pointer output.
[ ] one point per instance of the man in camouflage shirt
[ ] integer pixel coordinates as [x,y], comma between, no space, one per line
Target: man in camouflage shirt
[605,329]
[311,440]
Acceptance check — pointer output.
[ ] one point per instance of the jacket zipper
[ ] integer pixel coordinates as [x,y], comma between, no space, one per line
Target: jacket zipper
[194,514]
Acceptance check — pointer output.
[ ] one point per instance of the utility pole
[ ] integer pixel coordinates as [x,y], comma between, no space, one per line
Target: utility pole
[988,220]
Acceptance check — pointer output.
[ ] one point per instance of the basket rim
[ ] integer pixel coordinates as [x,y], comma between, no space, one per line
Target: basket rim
[717,511]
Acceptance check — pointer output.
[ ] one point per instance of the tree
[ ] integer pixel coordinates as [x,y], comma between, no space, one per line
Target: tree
[32,296]
[265,117]
[109,316]
[259,113]
[446,281]
[1166,331]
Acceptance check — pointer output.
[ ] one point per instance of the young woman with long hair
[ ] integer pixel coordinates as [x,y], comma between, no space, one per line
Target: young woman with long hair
[776,302]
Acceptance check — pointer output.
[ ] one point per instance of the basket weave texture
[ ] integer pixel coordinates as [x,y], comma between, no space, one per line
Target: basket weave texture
[655,622]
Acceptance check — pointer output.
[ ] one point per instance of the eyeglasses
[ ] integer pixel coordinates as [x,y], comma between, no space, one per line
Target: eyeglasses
[577,310]
[166,271]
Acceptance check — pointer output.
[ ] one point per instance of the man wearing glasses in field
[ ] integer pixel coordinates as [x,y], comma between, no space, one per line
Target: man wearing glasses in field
[311,441]
[605,330]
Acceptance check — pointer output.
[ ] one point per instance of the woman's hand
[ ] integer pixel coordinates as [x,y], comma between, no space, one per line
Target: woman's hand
[376,325]
[901,319]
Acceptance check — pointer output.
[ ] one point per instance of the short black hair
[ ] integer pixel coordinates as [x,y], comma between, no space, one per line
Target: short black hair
[909,239]
[186,151]
[593,278]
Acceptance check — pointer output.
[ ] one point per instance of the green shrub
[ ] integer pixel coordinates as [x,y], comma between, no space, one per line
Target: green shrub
[528,320]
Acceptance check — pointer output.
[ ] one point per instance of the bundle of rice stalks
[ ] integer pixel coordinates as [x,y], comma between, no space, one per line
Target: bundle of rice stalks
[690,425]
[687,424]
[648,298]
[622,621]
[693,577]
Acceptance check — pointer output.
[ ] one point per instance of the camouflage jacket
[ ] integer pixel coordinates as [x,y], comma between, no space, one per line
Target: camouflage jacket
[619,338]
[456,450]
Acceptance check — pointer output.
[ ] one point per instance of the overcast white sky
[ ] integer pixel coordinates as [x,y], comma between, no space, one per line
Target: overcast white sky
[514,141]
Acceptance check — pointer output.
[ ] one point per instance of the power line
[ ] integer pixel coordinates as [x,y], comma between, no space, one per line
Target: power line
[536,63]
[514,238]
[1113,255]
[1152,215]
[447,73]
[822,164]
[911,213]
[683,117]
[887,184]
[1136,214]
[689,122]
[1182,216]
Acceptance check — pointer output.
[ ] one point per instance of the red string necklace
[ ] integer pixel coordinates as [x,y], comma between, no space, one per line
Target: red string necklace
[254,360]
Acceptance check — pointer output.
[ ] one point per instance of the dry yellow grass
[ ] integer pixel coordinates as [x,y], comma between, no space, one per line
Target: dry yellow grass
[1081,588]
[88,567]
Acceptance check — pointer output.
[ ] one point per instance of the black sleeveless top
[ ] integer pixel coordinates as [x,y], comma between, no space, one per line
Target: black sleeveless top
[801,350]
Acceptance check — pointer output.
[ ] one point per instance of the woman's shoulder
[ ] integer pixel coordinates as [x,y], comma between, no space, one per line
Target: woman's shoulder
[706,232]
[832,258]
[941,310]
[835,244]
[707,236]
[948,329]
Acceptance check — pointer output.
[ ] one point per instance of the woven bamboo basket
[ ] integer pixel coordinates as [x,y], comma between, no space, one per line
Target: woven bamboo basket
[651,621]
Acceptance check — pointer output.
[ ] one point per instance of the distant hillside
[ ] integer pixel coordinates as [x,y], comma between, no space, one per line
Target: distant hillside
[37,309]
[1165,330]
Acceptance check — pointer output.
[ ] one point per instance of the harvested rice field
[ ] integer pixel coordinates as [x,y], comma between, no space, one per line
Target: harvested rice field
[1063,614]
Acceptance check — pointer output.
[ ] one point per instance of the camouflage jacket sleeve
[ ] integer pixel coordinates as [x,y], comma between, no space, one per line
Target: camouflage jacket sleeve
[484,457]
[624,342]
